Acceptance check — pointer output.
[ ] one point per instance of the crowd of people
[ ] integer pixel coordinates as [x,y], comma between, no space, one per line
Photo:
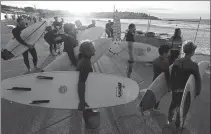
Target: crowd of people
[169,55]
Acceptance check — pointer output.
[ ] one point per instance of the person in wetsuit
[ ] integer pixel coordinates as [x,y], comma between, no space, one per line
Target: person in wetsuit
[70,41]
[16,33]
[91,117]
[161,64]
[181,70]
[57,23]
[175,45]
[130,40]
[49,38]
[92,25]
[108,28]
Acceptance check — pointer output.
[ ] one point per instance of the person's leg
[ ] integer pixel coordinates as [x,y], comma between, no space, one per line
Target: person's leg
[26,60]
[33,53]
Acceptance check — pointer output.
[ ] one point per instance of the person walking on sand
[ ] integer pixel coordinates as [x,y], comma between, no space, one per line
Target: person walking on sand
[175,45]
[130,40]
[84,67]
[161,64]
[16,33]
[181,70]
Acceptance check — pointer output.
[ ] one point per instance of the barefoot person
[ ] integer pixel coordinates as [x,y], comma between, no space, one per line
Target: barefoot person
[181,70]
[130,40]
[16,33]
[87,50]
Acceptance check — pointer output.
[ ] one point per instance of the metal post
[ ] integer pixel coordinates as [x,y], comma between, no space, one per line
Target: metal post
[197,30]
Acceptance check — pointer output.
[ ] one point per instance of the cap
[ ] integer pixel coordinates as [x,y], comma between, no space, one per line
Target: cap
[189,47]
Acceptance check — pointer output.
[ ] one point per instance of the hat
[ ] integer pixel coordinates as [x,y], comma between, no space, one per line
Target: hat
[189,47]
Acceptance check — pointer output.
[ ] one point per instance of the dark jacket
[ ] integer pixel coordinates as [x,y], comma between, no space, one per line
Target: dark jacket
[17,34]
[181,70]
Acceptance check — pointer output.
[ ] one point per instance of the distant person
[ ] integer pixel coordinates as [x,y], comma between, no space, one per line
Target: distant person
[35,20]
[181,70]
[175,45]
[49,37]
[84,67]
[92,25]
[130,40]
[16,33]
[5,16]
[111,30]
[62,21]
[56,24]
[108,28]
[79,25]
[161,64]
[40,19]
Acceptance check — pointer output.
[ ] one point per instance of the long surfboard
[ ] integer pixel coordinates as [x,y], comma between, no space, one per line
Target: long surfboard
[59,90]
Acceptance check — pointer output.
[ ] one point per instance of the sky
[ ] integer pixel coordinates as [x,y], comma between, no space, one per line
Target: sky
[161,9]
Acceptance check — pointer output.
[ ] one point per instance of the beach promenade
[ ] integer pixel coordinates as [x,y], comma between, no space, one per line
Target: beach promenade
[124,119]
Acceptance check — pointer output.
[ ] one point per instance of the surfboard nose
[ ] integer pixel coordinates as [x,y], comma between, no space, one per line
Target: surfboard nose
[6,55]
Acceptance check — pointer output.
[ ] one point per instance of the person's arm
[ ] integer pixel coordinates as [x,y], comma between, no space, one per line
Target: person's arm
[17,34]
[83,74]
[197,76]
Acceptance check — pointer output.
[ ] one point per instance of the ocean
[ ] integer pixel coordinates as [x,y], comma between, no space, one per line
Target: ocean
[188,29]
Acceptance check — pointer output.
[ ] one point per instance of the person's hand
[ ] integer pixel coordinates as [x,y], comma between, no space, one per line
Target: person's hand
[30,46]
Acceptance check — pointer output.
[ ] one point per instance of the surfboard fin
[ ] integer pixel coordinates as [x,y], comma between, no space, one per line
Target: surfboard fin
[40,101]
[20,89]
[45,77]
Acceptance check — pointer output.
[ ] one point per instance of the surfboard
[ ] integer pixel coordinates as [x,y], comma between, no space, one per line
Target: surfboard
[142,52]
[63,63]
[59,90]
[11,26]
[90,34]
[189,91]
[30,35]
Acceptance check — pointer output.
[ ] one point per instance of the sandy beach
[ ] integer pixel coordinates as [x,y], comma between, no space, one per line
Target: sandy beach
[124,119]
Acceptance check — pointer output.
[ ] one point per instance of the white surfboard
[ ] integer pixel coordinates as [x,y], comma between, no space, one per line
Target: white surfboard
[142,52]
[11,26]
[63,63]
[189,91]
[90,34]
[60,92]
[30,35]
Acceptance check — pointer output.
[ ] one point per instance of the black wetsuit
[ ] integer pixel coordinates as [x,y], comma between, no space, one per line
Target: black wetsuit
[49,38]
[16,33]
[160,65]
[57,23]
[181,70]
[84,67]
[108,28]
[69,44]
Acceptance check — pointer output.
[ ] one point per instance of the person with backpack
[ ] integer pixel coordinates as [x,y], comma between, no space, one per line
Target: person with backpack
[161,64]
[181,70]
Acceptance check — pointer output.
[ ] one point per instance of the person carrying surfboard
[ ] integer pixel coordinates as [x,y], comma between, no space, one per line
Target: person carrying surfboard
[17,34]
[161,64]
[49,37]
[70,41]
[181,70]
[87,50]
[130,40]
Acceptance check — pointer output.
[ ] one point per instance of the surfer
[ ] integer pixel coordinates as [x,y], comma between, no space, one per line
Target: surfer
[49,38]
[57,23]
[181,70]
[108,28]
[87,50]
[130,40]
[92,25]
[161,64]
[175,45]
[70,41]
[16,33]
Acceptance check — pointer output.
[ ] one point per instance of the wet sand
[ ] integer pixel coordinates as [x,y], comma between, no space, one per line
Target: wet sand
[17,118]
